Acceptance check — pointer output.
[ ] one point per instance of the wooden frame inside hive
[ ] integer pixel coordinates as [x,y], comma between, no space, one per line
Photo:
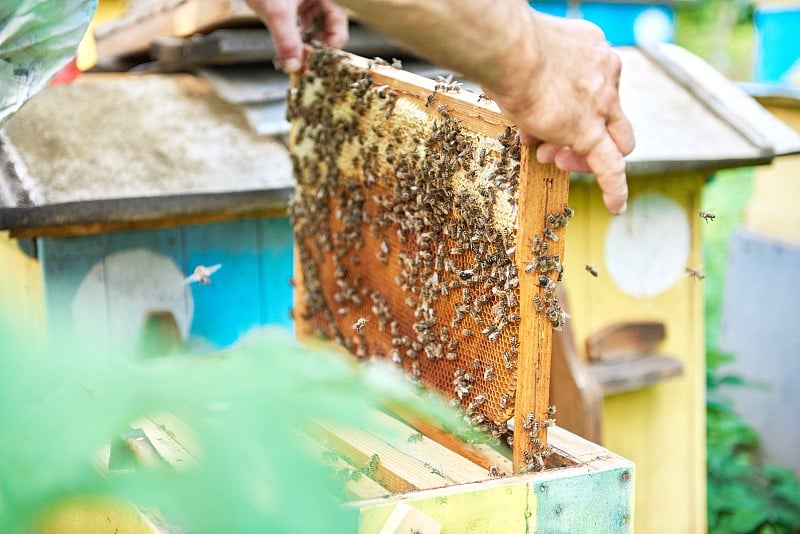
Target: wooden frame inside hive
[426,234]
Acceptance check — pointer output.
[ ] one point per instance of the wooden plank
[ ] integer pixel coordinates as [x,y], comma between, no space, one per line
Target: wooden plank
[624,340]
[165,441]
[94,216]
[394,470]
[359,488]
[628,374]
[543,191]
[573,389]
[453,466]
[133,32]
[479,454]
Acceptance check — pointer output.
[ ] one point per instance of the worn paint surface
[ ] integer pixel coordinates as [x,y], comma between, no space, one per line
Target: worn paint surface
[596,502]
[500,509]
[660,428]
[21,291]
[251,289]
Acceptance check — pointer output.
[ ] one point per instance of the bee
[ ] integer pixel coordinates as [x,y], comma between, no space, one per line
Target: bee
[695,273]
[507,359]
[374,461]
[532,264]
[536,244]
[592,270]
[494,472]
[396,63]
[551,410]
[466,274]
[415,438]
[475,364]
[488,373]
[549,234]
[483,97]
[202,274]
[707,215]
[505,399]
[537,302]
[545,282]
[530,420]
[466,332]
[569,212]
[360,324]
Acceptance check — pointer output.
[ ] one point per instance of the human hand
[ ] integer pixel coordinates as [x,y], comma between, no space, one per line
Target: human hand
[289,20]
[567,101]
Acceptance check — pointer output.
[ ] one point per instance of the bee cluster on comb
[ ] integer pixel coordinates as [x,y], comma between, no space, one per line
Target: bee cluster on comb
[406,218]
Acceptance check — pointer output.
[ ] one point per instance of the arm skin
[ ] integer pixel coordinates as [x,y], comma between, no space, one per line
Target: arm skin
[557,79]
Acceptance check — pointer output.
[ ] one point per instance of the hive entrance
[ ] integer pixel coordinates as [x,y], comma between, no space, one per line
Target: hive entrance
[411,243]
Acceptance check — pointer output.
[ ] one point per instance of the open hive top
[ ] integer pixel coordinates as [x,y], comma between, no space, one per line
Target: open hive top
[408,227]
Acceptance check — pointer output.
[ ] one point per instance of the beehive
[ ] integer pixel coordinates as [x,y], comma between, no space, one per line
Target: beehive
[426,234]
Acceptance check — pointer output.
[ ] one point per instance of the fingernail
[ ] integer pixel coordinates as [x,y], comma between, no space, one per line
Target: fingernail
[623,208]
[291,65]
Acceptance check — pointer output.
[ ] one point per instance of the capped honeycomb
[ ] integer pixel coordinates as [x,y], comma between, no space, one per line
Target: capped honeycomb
[406,218]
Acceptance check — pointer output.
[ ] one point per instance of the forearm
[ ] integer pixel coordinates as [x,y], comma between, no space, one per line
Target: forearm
[487,41]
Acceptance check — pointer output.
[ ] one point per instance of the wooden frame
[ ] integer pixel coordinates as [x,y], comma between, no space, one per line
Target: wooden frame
[540,197]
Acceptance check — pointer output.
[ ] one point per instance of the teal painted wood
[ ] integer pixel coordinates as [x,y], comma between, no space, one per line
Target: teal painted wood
[231,304]
[598,502]
[65,262]
[126,274]
[277,266]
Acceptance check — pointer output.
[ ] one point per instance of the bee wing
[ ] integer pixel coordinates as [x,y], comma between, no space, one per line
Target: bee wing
[190,279]
[214,268]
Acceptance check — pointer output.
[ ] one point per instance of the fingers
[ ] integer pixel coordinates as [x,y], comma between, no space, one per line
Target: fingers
[608,164]
[336,30]
[281,18]
[621,131]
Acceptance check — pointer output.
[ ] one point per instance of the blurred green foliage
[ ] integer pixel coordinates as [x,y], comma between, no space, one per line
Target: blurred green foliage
[721,32]
[745,495]
[246,407]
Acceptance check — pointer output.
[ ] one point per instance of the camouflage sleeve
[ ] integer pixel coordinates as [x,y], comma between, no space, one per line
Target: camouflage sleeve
[37,38]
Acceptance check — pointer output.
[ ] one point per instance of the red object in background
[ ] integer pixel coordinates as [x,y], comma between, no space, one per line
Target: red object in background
[67,74]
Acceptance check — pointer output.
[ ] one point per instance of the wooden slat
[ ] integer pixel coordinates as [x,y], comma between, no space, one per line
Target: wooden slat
[628,374]
[453,466]
[627,339]
[543,190]
[359,489]
[164,440]
[396,471]
[133,32]
[481,455]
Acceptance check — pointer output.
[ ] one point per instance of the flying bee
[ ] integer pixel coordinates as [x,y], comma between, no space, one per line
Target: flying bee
[592,270]
[483,97]
[569,212]
[358,325]
[707,215]
[695,273]
[202,274]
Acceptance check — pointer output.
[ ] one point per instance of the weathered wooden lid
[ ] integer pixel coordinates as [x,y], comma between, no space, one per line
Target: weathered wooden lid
[125,150]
